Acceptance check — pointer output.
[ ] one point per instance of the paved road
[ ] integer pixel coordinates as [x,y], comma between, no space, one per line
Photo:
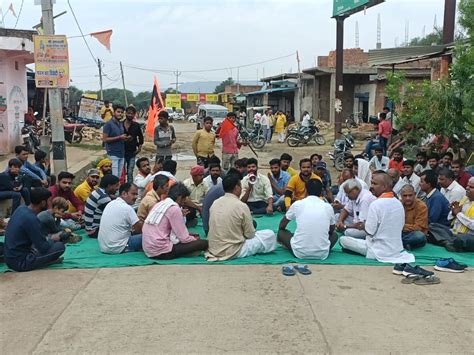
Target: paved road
[238,309]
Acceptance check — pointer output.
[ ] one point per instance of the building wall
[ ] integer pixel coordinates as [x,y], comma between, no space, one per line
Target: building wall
[366,88]
[352,57]
[13,89]
[324,97]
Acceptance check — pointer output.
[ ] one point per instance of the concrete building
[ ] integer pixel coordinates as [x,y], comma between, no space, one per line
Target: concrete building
[16,51]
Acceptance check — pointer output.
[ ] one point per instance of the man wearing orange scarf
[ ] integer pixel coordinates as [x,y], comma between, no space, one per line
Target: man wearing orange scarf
[229,134]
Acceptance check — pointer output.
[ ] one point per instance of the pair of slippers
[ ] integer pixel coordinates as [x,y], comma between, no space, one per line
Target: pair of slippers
[290,270]
[421,280]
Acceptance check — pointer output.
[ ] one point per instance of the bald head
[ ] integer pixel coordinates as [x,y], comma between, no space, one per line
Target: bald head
[408,195]
[380,184]
[407,189]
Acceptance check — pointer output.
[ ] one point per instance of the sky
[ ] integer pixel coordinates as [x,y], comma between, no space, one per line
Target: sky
[197,36]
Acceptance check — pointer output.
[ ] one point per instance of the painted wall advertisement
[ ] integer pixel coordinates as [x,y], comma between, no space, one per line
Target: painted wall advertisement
[90,108]
[51,61]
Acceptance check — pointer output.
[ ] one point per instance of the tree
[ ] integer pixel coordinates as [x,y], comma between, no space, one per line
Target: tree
[74,96]
[116,95]
[436,37]
[221,87]
[142,100]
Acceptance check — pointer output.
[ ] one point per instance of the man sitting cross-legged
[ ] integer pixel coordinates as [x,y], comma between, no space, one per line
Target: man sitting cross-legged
[164,233]
[315,224]
[11,185]
[51,220]
[384,225]
[231,230]
[416,219]
[278,179]
[118,222]
[256,190]
[26,248]
[354,214]
[84,189]
[96,202]
[160,188]
[197,189]
[296,188]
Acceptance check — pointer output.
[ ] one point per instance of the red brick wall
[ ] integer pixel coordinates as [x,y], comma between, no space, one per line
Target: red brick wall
[323,61]
[352,57]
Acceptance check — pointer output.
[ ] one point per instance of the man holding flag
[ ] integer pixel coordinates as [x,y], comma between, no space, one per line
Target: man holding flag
[229,134]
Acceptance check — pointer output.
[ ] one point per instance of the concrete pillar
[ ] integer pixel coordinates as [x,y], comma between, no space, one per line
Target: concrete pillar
[332,99]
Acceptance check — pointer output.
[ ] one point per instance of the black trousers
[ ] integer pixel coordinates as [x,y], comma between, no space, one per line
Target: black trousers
[284,237]
[33,260]
[182,249]
[258,207]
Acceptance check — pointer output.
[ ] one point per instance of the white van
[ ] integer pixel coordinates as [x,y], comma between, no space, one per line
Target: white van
[217,112]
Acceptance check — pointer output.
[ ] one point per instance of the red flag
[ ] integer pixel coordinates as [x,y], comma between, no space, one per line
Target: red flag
[156,105]
[103,37]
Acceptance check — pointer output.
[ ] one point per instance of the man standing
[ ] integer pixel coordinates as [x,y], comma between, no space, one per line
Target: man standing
[257,190]
[118,222]
[379,161]
[84,189]
[397,160]
[462,177]
[236,238]
[314,235]
[106,111]
[214,176]
[114,138]
[164,138]
[354,214]
[203,143]
[278,179]
[416,219]
[96,202]
[26,248]
[296,188]
[11,185]
[384,225]
[385,131]
[280,125]
[230,144]
[265,121]
[64,189]
[450,188]
[134,142]
[438,205]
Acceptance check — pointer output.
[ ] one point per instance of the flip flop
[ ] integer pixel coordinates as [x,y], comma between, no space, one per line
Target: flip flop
[429,280]
[411,279]
[288,270]
[303,269]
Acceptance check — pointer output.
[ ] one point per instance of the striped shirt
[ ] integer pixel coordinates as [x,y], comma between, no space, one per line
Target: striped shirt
[95,205]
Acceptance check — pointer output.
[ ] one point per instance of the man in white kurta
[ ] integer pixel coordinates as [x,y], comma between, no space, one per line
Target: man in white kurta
[384,226]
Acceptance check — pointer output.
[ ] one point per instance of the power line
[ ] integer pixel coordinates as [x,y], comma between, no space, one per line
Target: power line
[80,30]
[19,13]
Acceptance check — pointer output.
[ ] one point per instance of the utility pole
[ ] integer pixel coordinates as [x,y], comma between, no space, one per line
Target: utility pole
[339,73]
[99,63]
[300,88]
[123,83]
[448,34]
[55,104]
[178,74]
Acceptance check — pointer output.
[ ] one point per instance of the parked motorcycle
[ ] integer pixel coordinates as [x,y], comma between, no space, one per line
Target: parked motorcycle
[30,137]
[253,136]
[304,135]
[342,147]
[73,132]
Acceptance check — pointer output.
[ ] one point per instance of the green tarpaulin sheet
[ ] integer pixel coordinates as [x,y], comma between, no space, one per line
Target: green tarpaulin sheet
[86,254]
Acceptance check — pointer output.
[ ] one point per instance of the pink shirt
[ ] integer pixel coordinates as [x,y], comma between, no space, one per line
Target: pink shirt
[156,237]
[229,142]
[385,128]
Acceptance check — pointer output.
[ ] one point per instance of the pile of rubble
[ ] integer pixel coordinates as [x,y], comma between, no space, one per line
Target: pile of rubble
[91,134]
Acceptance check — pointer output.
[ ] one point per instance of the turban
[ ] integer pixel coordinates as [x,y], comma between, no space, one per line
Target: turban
[197,170]
[103,162]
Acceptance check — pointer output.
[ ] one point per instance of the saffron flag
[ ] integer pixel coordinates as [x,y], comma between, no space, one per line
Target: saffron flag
[103,37]
[156,105]
[12,10]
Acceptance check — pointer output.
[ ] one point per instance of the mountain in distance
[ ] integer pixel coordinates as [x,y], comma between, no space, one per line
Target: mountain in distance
[207,87]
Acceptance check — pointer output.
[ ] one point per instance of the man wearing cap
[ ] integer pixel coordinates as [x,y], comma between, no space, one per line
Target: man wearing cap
[83,190]
[322,173]
[198,189]
[104,167]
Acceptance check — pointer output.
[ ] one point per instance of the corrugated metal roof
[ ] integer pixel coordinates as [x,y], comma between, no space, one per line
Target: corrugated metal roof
[351,70]
[268,91]
[393,56]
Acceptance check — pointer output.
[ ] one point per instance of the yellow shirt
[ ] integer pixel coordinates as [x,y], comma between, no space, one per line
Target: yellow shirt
[108,114]
[291,171]
[197,192]
[298,187]
[83,191]
[147,203]
[203,143]
[280,124]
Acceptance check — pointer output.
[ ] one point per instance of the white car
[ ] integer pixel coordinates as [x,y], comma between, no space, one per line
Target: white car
[192,118]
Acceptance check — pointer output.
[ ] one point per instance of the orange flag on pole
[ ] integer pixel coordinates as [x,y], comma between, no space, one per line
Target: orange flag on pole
[103,37]
[156,105]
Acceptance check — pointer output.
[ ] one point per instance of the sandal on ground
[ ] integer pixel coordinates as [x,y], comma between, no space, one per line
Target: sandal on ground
[429,280]
[288,270]
[303,269]
[411,279]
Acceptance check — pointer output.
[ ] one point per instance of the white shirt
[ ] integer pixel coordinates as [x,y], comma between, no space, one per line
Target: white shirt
[414,181]
[116,226]
[313,219]
[359,208]
[261,191]
[420,168]
[306,121]
[208,181]
[384,226]
[342,196]
[363,171]
[379,164]
[454,192]
[141,182]
[264,121]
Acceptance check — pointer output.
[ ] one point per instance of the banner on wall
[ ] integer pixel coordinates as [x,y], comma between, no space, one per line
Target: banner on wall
[173,100]
[51,61]
[90,108]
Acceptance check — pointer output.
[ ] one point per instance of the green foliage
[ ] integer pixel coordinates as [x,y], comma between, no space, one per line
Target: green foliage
[74,96]
[221,87]
[436,37]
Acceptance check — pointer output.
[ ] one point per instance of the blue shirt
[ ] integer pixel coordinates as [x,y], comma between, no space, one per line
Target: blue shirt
[24,232]
[213,194]
[281,182]
[438,208]
[32,171]
[113,128]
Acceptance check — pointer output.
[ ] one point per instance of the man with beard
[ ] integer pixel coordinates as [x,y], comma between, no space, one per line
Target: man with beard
[257,190]
[143,178]
[114,138]
[278,179]
[83,190]
[462,177]
[214,176]
[296,188]
[433,162]
[421,163]
[229,134]
[397,160]
[104,167]
[133,145]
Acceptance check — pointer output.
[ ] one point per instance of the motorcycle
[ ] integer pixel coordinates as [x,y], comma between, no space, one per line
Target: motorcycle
[303,135]
[30,137]
[342,147]
[253,136]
